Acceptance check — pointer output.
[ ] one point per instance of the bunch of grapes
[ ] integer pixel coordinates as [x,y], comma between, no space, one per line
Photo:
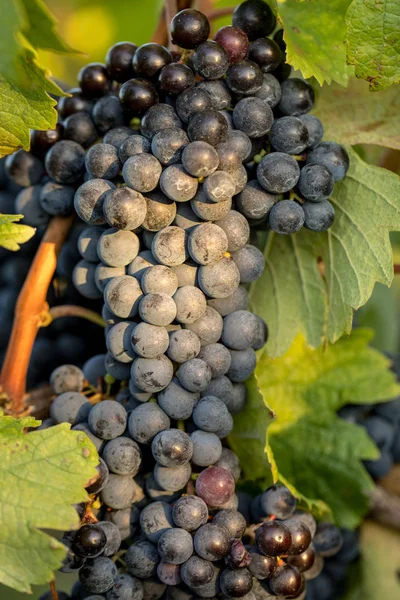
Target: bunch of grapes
[168,159]
[162,523]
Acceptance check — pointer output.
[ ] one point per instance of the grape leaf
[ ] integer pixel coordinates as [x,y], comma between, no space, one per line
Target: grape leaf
[373,41]
[24,86]
[314,35]
[40,27]
[317,452]
[314,281]
[355,116]
[43,474]
[12,234]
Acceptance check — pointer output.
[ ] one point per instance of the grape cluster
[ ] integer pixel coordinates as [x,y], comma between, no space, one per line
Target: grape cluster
[222,127]
[168,160]
[176,522]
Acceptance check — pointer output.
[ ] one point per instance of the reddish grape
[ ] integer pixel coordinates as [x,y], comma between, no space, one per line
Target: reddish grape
[235,42]
[215,486]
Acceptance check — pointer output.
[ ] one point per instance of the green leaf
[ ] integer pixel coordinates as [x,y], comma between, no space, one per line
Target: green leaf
[316,452]
[373,41]
[314,281]
[40,27]
[43,473]
[13,234]
[314,34]
[252,442]
[24,86]
[356,116]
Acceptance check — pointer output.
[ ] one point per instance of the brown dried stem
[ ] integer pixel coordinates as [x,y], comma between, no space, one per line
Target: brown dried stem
[53,590]
[30,306]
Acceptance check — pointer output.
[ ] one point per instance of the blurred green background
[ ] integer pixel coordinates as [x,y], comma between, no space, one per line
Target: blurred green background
[92,26]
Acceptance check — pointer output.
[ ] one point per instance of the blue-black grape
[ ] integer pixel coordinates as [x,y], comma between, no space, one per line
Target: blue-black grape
[172,478]
[255,18]
[176,401]
[212,542]
[289,134]
[122,456]
[297,97]
[113,537]
[23,168]
[318,216]
[102,161]
[125,588]
[189,28]
[207,448]
[67,378]
[191,101]
[331,155]
[107,113]
[107,419]
[250,262]
[278,172]
[70,407]
[172,448]
[141,172]
[315,129]
[146,421]
[124,208]
[57,199]
[79,127]
[142,559]
[117,248]
[287,217]
[89,199]
[316,182]
[149,341]
[28,203]
[208,126]
[236,583]
[65,161]
[122,296]
[98,575]
[175,546]
[183,345]
[155,519]
[253,116]
[211,60]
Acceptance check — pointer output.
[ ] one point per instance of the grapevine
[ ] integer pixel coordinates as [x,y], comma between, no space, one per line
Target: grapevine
[194,244]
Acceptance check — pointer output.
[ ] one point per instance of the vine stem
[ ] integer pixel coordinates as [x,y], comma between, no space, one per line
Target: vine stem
[54,594]
[171,8]
[30,306]
[396,268]
[219,13]
[71,310]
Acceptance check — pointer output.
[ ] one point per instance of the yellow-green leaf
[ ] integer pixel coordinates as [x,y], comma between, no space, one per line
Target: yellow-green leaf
[373,41]
[40,27]
[356,116]
[314,35]
[12,234]
[312,450]
[24,86]
[43,473]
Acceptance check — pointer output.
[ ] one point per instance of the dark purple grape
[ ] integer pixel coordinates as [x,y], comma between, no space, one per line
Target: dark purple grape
[303,561]
[286,581]
[255,18]
[297,97]
[244,77]
[273,538]
[175,78]
[191,101]
[149,59]
[93,80]
[235,42]
[278,38]
[75,103]
[261,566]
[208,126]
[266,53]
[236,583]
[119,61]
[189,28]
[211,60]
[89,541]
[137,96]
[41,141]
